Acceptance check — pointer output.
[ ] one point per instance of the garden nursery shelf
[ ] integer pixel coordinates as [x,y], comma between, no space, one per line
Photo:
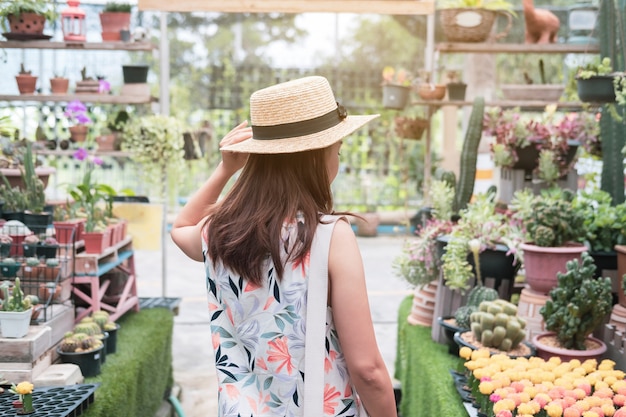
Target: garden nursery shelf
[517,48]
[87,46]
[86,98]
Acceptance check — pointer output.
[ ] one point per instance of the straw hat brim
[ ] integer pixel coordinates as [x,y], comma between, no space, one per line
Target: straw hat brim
[317,140]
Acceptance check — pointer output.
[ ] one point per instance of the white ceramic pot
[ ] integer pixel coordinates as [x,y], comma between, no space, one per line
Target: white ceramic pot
[14,324]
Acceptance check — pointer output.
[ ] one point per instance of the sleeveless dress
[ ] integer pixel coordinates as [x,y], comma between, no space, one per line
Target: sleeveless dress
[258,338]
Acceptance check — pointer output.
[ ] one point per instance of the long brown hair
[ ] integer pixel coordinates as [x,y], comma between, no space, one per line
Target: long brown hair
[245,226]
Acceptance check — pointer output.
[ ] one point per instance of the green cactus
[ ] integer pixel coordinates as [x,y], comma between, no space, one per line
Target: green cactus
[469,155]
[462,316]
[578,304]
[479,293]
[496,325]
[16,301]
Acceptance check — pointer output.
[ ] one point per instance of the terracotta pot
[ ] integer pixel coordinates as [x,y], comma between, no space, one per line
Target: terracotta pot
[27,23]
[112,23]
[367,226]
[106,142]
[59,85]
[547,350]
[26,83]
[97,242]
[431,91]
[542,264]
[14,175]
[79,133]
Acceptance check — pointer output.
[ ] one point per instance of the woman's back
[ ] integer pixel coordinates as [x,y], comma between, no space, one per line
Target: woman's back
[258,339]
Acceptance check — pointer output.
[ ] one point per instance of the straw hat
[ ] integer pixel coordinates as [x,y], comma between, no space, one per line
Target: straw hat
[297,116]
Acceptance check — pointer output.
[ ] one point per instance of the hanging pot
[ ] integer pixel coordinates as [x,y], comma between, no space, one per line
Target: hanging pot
[596,89]
[456,91]
[395,96]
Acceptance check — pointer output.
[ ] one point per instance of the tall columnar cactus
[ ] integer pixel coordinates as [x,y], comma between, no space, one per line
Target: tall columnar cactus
[578,304]
[34,193]
[469,155]
[612,21]
[16,301]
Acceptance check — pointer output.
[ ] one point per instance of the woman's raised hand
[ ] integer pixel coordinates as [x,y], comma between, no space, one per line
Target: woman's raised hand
[234,161]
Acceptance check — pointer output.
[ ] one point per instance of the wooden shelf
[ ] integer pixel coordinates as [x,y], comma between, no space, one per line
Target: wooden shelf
[408,7]
[70,153]
[86,98]
[517,48]
[503,103]
[81,46]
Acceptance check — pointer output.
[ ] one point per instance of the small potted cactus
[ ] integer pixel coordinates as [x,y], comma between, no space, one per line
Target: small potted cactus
[29,245]
[9,267]
[15,311]
[84,347]
[577,306]
[51,270]
[30,269]
[48,248]
[103,319]
[5,245]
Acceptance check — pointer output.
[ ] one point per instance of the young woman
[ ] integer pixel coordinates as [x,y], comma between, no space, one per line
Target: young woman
[256,242]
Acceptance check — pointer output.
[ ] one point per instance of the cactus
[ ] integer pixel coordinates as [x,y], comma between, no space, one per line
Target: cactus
[612,131]
[34,193]
[462,316]
[16,301]
[469,155]
[578,304]
[496,325]
[479,293]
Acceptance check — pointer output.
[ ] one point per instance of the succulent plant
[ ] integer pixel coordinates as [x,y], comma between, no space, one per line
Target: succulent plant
[578,304]
[496,324]
[549,219]
[31,239]
[5,239]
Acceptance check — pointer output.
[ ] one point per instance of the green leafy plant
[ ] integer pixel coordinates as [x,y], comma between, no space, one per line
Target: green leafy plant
[45,8]
[579,303]
[34,188]
[480,226]
[156,143]
[15,300]
[117,7]
[604,222]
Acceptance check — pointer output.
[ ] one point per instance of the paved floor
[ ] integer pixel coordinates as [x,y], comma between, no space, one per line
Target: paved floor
[193,369]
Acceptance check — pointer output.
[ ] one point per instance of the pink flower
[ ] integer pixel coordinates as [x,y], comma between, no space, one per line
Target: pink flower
[330,397]
[279,352]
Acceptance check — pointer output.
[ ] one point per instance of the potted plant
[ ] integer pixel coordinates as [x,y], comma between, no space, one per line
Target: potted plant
[472,20]
[48,247]
[13,152]
[59,84]
[35,216]
[26,18]
[605,227]
[26,82]
[51,269]
[577,306]
[15,311]
[396,87]
[76,113]
[494,235]
[82,348]
[597,82]
[455,86]
[5,245]
[29,245]
[103,319]
[30,269]
[553,228]
[9,267]
[155,142]
[518,140]
[24,390]
[428,89]
[114,18]
[532,90]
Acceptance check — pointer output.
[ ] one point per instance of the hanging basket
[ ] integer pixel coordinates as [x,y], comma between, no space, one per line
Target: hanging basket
[410,127]
[468,24]
[596,89]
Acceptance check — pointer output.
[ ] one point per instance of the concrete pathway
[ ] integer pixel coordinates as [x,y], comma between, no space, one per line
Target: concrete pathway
[193,368]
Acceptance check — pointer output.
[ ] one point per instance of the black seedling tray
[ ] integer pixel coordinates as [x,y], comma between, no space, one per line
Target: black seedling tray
[66,401]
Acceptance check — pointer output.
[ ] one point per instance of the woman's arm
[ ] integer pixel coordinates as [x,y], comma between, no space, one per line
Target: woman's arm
[352,317]
[186,230]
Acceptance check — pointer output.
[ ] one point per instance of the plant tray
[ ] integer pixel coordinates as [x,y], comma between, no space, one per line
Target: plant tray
[66,401]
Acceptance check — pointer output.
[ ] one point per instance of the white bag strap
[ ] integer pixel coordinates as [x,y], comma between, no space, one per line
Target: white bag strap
[315,337]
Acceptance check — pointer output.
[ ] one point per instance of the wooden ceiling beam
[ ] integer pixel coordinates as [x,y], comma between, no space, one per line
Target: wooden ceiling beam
[390,7]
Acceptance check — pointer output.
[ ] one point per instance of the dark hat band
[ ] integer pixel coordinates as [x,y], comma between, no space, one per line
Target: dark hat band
[301,128]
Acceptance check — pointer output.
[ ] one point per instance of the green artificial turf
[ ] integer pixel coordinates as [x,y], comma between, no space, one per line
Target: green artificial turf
[422,367]
[134,379]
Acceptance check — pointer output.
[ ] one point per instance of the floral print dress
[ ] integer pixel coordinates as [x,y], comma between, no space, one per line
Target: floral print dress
[258,338]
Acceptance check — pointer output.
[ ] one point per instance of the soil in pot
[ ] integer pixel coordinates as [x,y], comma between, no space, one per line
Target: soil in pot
[548,346]
[467,338]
